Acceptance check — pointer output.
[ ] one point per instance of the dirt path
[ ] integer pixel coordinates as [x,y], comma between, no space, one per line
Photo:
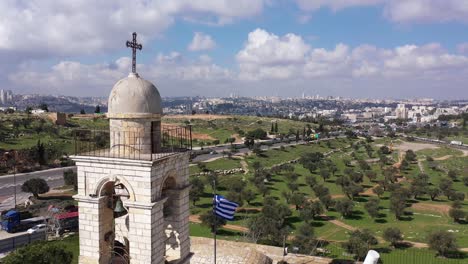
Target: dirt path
[420,165]
[369,191]
[446,157]
[244,165]
[343,225]
[438,208]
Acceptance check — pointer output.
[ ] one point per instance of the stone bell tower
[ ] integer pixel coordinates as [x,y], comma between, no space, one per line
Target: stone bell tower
[133,186]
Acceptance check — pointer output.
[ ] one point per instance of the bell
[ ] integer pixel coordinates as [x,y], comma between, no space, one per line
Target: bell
[119,207]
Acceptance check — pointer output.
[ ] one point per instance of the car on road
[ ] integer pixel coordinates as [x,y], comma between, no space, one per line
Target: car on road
[37,228]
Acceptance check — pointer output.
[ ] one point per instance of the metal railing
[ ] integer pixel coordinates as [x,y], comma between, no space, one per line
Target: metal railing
[136,144]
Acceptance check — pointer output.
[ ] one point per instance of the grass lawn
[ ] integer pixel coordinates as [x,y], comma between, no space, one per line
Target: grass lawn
[227,126]
[439,152]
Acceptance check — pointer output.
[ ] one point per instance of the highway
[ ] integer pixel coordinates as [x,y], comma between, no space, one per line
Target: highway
[54,178]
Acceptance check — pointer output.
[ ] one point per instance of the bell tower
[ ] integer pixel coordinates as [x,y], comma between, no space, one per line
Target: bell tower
[133,186]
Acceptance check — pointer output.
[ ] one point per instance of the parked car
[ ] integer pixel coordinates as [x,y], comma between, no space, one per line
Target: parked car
[37,228]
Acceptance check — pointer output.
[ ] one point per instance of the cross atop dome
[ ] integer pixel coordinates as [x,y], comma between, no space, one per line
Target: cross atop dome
[134,45]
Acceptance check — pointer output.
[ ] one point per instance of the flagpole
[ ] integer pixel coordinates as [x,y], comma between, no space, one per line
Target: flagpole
[215,218]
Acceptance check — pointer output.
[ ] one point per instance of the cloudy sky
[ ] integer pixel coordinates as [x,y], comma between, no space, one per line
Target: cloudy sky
[353,48]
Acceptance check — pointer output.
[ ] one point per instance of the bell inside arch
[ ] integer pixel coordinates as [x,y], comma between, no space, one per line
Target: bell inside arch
[119,209]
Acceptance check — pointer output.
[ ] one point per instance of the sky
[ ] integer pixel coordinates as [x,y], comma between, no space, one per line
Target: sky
[350,48]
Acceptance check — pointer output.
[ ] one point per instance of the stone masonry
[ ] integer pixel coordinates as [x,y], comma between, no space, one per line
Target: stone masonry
[142,230]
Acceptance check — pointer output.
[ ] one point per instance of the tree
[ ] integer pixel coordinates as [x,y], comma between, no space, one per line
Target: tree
[360,242]
[452,174]
[276,127]
[82,112]
[44,107]
[398,202]
[320,190]
[327,200]
[371,175]
[393,235]
[257,134]
[40,153]
[364,165]
[410,156]
[443,242]
[344,207]
[35,186]
[40,252]
[304,240]
[212,221]
[372,207]
[311,210]
[420,185]
[347,162]
[197,190]
[465,180]
[446,187]
[97,110]
[352,190]
[70,178]
[433,193]
[270,224]
[378,190]
[248,195]
[311,180]
[298,199]
[385,150]
[325,174]
[457,214]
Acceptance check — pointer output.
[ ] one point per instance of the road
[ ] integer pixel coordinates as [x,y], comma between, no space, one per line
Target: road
[219,149]
[54,178]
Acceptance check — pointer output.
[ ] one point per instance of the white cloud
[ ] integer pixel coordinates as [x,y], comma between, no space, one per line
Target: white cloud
[269,63]
[266,57]
[75,78]
[54,28]
[201,41]
[311,5]
[401,11]
[427,10]
[463,48]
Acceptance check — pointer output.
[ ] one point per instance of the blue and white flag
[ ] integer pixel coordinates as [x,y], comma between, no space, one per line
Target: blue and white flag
[224,208]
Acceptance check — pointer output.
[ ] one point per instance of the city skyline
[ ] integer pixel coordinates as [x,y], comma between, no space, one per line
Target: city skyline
[357,49]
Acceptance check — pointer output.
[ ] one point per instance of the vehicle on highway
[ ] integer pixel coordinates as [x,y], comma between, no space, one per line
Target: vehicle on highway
[13,222]
[37,228]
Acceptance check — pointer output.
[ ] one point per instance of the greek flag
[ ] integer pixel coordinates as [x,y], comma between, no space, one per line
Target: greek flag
[224,208]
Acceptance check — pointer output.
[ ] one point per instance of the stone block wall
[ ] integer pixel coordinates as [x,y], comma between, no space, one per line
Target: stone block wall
[144,225]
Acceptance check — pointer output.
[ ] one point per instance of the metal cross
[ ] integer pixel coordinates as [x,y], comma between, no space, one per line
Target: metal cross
[134,45]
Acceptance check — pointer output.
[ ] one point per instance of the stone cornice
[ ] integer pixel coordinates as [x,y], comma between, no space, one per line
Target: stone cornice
[134,116]
[116,161]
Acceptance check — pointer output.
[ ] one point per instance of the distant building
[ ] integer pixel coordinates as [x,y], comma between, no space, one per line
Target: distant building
[37,111]
[401,111]
[58,118]
[6,96]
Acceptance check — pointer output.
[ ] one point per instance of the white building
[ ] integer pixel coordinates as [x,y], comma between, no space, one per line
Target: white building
[6,96]
[401,111]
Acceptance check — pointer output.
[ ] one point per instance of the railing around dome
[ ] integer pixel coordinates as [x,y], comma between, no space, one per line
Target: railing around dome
[137,144]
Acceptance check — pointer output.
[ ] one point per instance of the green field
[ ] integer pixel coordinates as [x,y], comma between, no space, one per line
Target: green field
[418,222]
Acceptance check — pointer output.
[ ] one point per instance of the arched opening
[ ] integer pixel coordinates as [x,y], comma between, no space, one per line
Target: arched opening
[168,185]
[116,221]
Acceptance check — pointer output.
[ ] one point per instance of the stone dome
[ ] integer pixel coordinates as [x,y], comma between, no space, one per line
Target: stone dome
[134,96]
